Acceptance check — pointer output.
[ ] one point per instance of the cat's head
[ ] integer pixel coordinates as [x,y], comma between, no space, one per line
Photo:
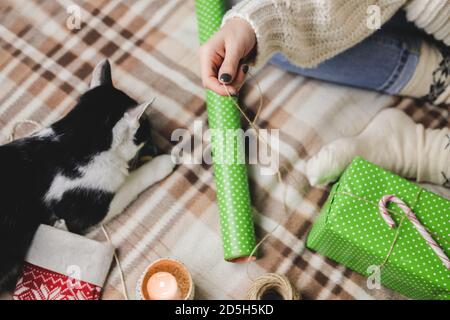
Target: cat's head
[105,118]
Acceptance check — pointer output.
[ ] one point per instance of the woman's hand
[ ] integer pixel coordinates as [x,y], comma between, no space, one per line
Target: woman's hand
[222,57]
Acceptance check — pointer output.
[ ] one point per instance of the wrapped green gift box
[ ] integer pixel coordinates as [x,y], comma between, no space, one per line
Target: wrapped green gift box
[351,231]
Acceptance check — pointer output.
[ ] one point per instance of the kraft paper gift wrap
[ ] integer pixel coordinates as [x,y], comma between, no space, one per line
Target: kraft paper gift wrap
[351,231]
[230,170]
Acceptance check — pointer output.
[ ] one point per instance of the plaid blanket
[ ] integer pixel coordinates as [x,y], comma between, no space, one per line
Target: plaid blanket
[44,66]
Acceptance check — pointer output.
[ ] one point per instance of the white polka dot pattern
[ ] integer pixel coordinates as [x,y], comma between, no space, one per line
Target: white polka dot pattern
[352,232]
[231,178]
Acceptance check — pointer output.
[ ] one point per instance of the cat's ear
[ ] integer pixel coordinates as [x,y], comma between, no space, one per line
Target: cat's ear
[133,115]
[101,76]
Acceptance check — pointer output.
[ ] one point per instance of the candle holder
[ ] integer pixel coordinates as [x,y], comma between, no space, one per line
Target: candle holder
[172,266]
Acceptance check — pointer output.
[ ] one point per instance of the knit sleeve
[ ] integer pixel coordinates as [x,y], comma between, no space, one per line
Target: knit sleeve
[308,32]
[433,16]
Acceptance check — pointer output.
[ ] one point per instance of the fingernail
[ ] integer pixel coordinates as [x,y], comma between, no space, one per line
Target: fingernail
[245,68]
[225,77]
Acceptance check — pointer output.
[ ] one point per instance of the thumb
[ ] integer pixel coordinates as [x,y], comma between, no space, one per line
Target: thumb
[228,70]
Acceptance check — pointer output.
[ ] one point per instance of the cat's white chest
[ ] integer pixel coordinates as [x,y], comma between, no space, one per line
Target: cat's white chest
[105,172]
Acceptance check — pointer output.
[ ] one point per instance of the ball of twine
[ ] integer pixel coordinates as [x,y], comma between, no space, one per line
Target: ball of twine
[19,123]
[272,281]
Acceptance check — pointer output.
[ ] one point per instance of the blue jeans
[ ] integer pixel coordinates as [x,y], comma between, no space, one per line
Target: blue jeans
[384,62]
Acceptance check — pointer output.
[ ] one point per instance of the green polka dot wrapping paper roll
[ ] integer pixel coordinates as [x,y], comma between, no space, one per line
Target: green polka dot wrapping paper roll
[233,196]
[351,231]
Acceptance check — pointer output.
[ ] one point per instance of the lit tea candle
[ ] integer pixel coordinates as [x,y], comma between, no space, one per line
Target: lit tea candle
[163,286]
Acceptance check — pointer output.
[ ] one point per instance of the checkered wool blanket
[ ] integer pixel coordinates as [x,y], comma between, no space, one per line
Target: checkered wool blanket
[44,66]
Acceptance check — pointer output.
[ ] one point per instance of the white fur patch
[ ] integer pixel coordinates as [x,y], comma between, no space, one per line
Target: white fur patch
[46,133]
[105,172]
[123,136]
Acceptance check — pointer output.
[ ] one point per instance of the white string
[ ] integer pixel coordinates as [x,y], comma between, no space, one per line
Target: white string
[119,266]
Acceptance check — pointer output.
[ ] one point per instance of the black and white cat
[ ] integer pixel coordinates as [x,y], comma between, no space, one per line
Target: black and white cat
[76,170]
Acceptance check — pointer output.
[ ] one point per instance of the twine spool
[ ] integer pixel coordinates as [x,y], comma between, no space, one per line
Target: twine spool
[272,282]
[12,134]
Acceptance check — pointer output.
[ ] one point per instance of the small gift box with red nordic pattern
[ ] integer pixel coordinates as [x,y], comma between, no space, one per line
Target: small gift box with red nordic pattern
[63,266]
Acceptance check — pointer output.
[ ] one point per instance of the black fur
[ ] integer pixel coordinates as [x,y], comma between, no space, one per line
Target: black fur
[28,166]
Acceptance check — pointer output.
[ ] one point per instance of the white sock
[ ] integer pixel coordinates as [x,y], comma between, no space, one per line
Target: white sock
[420,83]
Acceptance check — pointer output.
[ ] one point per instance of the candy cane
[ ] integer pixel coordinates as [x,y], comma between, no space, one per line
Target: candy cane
[412,217]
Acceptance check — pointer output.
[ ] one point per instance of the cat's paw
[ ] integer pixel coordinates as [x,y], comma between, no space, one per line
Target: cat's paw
[155,170]
[163,165]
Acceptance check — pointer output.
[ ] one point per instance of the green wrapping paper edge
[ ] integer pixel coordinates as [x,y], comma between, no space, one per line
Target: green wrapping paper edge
[352,232]
[236,220]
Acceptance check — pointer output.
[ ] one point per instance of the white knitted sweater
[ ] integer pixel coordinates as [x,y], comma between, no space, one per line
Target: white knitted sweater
[311,31]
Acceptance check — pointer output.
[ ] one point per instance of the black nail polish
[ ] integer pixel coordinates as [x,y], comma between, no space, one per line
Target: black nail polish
[245,68]
[225,77]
